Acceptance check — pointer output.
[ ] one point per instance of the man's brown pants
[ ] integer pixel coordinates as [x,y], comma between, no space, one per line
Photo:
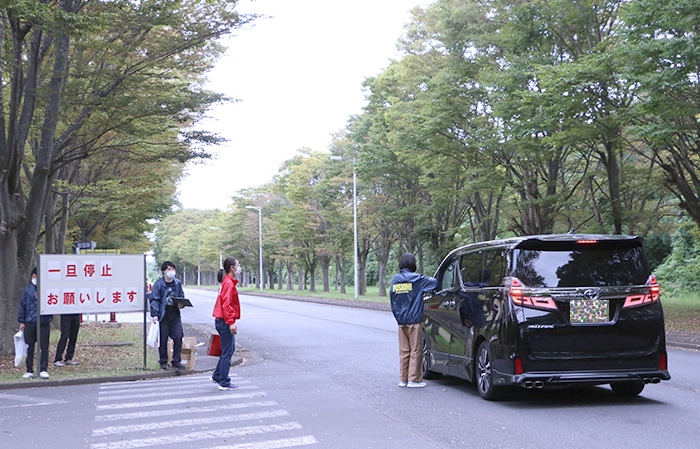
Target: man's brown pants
[411,352]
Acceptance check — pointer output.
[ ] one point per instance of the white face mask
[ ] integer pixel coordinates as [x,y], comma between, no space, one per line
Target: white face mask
[170,274]
[34,281]
[238,272]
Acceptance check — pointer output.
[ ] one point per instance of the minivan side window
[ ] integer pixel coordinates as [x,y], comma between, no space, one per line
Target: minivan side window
[471,269]
[492,274]
[448,277]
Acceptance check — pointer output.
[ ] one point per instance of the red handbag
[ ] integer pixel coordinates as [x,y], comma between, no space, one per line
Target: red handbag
[215,345]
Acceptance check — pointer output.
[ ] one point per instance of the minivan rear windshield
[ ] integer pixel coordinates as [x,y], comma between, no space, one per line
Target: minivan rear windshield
[585,267]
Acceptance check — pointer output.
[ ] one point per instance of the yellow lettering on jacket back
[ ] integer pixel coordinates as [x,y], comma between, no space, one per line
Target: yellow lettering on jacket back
[402,288]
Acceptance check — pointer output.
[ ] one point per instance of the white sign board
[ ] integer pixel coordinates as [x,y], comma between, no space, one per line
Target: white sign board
[91,283]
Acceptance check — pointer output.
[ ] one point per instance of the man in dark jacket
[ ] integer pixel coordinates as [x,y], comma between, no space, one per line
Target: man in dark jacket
[407,290]
[27,318]
[165,312]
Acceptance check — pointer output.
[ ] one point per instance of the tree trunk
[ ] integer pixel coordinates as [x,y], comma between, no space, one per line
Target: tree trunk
[301,285]
[290,276]
[342,275]
[325,264]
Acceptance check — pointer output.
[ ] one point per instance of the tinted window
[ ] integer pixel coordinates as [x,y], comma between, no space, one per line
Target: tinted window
[581,268]
[492,274]
[471,269]
[448,277]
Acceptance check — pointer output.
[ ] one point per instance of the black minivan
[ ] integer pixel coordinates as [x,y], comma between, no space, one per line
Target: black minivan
[549,310]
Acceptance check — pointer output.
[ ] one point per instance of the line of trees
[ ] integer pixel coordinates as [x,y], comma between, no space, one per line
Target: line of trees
[501,117]
[96,100]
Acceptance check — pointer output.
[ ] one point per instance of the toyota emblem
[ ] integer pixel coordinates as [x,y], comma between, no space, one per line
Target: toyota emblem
[591,294]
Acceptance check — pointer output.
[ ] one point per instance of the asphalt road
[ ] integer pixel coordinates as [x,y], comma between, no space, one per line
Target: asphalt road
[325,376]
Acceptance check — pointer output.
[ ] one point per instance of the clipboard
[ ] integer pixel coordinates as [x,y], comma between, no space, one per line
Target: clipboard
[184,301]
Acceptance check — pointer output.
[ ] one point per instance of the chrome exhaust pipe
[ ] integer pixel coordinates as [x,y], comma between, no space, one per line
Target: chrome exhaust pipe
[647,380]
[655,380]
[538,384]
[528,384]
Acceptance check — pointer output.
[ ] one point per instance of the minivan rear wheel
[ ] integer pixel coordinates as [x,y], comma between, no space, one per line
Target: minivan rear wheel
[627,389]
[428,373]
[484,377]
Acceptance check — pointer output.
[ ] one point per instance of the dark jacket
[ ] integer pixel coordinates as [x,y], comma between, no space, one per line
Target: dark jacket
[28,306]
[161,295]
[407,290]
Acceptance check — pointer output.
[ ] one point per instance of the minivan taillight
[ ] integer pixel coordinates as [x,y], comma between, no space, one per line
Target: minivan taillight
[651,296]
[520,296]
[663,363]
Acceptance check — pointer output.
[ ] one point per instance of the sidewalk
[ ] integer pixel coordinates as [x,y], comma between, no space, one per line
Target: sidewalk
[204,363]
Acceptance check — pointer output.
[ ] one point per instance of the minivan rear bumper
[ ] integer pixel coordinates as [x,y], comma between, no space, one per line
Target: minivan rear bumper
[543,379]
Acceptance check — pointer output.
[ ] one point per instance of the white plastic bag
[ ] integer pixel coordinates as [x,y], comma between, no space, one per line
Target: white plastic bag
[20,348]
[154,335]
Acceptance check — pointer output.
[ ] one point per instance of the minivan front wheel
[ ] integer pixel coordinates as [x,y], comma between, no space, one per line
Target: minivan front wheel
[484,377]
[627,389]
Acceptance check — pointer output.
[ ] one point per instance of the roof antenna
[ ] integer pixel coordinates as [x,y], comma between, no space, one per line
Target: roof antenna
[571,231]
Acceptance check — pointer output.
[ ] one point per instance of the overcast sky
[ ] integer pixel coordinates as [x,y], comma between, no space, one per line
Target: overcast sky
[298,75]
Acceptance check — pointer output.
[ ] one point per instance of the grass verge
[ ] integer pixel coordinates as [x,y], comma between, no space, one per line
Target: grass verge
[682,312]
[99,351]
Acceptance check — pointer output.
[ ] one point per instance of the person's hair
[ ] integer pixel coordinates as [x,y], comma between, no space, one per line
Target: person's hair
[228,263]
[166,265]
[220,275]
[408,261]
[33,273]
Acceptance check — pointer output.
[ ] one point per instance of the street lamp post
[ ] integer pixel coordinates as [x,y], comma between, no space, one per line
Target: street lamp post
[259,209]
[354,218]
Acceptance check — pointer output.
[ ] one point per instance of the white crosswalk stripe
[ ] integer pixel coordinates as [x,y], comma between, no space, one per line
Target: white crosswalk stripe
[182,400]
[191,412]
[182,411]
[190,422]
[160,392]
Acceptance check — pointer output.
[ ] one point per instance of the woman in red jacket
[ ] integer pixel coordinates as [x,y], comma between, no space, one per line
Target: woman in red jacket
[226,311]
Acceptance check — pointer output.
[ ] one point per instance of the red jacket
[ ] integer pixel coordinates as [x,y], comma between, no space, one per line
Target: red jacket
[227,305]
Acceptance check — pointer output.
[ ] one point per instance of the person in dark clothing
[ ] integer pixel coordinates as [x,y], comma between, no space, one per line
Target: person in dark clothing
[70,325]
[165,312]
[406,294]
[27,318]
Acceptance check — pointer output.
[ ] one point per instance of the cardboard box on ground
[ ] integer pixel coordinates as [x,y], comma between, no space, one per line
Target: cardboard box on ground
[189,351]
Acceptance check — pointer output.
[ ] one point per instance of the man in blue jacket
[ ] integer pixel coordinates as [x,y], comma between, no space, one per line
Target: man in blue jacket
[407,290]
[27,318]
[167,314]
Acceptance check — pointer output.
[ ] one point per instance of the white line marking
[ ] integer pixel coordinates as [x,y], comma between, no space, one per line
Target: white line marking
[273,444]
[182,411]
[188,422]
[162,391]
[197,436]
[146,384]
[221,396]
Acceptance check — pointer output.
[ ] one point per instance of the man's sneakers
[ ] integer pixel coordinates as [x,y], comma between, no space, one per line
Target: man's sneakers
[403,383]
[416,384]
[27,375]
[179,365]
[44,375]
[58,363]
[228,387]
[164,366]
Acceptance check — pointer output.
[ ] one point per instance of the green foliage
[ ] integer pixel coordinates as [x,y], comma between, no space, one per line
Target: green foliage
[680,271]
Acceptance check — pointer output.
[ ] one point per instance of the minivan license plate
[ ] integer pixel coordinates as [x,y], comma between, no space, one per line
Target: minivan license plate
[585,311]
